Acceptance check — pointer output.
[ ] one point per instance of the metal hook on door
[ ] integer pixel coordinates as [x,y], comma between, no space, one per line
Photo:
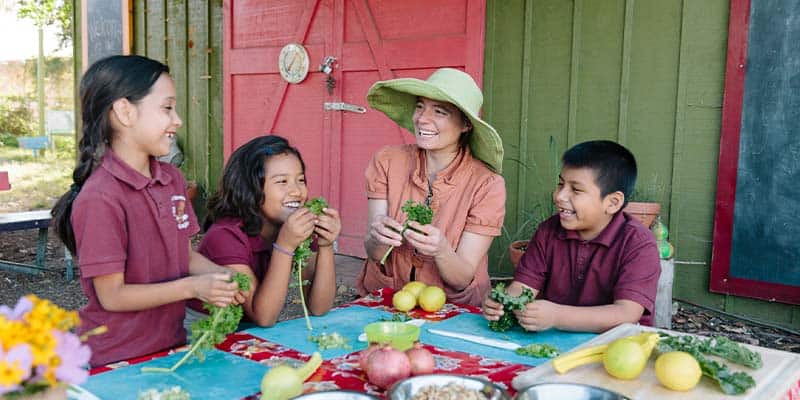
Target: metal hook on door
[327,68]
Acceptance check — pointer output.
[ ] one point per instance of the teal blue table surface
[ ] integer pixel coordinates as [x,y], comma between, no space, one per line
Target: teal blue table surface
[475,324]
[220,376]
[348,322]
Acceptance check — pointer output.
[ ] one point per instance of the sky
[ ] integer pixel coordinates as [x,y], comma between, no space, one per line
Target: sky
[19,38]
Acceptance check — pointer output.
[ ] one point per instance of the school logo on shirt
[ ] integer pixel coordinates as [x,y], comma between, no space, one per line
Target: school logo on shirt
[179,211]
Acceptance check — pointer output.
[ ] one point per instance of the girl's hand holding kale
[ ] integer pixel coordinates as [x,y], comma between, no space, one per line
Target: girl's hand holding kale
[299,226]
[328,226]
[215,289]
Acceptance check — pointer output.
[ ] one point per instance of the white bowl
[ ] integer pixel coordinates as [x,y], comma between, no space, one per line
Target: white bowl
[336,395]
[407,388]
[566,391]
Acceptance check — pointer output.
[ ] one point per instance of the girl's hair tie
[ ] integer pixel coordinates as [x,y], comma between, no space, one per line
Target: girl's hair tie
[282,250]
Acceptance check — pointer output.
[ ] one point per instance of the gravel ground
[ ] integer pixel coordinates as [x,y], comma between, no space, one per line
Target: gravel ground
[21,247]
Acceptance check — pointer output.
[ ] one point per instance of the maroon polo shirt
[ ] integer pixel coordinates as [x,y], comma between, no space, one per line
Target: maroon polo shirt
[622,262]
[126,222]
[226,244]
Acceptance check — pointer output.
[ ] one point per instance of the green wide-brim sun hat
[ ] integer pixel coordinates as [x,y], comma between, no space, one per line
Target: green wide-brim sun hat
[397,98]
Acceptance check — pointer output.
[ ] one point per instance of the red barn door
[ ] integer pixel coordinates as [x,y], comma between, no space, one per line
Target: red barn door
[371,40]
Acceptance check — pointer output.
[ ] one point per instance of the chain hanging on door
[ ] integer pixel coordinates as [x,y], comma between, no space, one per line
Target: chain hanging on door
[327,68]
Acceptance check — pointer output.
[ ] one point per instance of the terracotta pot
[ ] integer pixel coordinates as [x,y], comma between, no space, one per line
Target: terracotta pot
[646,213]
[515,251]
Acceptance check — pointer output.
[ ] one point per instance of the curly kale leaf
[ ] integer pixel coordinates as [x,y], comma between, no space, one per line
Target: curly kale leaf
[211,330]
[510,304]
[417,212]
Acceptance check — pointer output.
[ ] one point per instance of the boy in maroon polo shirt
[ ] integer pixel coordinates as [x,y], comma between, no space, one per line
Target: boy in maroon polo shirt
[590,267]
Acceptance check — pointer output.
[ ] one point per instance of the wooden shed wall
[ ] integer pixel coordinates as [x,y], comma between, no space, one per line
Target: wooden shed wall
[646,73]
[187,36]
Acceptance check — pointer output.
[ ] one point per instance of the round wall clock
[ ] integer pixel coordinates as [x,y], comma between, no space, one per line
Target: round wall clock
[293,63]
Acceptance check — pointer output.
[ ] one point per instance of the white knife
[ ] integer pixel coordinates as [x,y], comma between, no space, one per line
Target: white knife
[503,344]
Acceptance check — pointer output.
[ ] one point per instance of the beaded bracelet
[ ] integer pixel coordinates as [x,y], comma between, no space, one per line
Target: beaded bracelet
[282,250]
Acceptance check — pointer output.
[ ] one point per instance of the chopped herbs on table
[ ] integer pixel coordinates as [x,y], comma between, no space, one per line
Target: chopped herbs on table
[211,330]
[396,317]
[301,255]
[417,212]
[538,350]
[173,393]
[510,304]
[327,341]
[729,382]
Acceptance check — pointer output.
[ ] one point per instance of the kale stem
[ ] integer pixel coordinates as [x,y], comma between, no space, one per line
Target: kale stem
[302,296]
[183,359]
[389,250]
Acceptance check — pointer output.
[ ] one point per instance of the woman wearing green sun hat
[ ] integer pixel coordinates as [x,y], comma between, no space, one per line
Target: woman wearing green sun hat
[454,167]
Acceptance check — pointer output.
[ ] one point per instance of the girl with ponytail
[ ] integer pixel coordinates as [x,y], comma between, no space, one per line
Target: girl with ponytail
[127,219]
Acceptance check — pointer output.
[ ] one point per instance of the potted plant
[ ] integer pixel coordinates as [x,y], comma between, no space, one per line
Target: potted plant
[644,202]
[517,242]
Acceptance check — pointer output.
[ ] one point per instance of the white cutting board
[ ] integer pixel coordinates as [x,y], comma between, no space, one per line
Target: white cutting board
[781,370]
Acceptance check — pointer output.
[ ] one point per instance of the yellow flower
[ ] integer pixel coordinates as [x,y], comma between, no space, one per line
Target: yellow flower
[11,373]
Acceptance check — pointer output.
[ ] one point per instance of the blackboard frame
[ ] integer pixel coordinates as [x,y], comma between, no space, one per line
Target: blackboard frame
[721,280]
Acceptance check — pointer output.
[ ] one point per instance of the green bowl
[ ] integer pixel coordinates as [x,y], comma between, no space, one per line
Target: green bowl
[399,335]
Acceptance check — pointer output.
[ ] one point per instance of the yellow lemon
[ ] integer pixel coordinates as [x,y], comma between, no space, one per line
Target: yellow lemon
[432,298]
[678,370]
[624,359]
[415,287]
[404,301]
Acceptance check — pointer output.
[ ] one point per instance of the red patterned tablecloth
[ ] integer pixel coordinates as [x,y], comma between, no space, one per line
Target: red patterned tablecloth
[344,372]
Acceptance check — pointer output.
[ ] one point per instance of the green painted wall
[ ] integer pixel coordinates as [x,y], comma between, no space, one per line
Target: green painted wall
[187,36]
[646,73]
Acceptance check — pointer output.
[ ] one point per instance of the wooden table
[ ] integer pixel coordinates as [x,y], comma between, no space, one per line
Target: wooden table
[235,370]
[25,220]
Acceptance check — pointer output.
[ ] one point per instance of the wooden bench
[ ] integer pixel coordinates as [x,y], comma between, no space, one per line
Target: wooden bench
[32,220]
[34,143]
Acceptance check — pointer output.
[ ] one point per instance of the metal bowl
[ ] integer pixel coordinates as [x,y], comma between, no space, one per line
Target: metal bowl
[336,395]
[407,388]
[567,391]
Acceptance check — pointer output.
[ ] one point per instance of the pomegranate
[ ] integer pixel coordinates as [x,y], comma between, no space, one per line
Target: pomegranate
[421,360]
[386,366]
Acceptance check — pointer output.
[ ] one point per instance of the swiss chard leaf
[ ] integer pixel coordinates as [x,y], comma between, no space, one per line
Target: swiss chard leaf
[729,382]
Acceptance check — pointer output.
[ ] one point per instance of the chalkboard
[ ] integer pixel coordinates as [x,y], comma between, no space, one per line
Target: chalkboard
[105,28]
[757,232]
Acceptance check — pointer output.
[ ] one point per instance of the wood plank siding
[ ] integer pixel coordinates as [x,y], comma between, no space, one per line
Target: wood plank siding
[647,73]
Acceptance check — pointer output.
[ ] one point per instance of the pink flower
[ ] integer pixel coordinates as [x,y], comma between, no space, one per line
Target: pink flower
[15,367]
[23,307]
[74,357]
